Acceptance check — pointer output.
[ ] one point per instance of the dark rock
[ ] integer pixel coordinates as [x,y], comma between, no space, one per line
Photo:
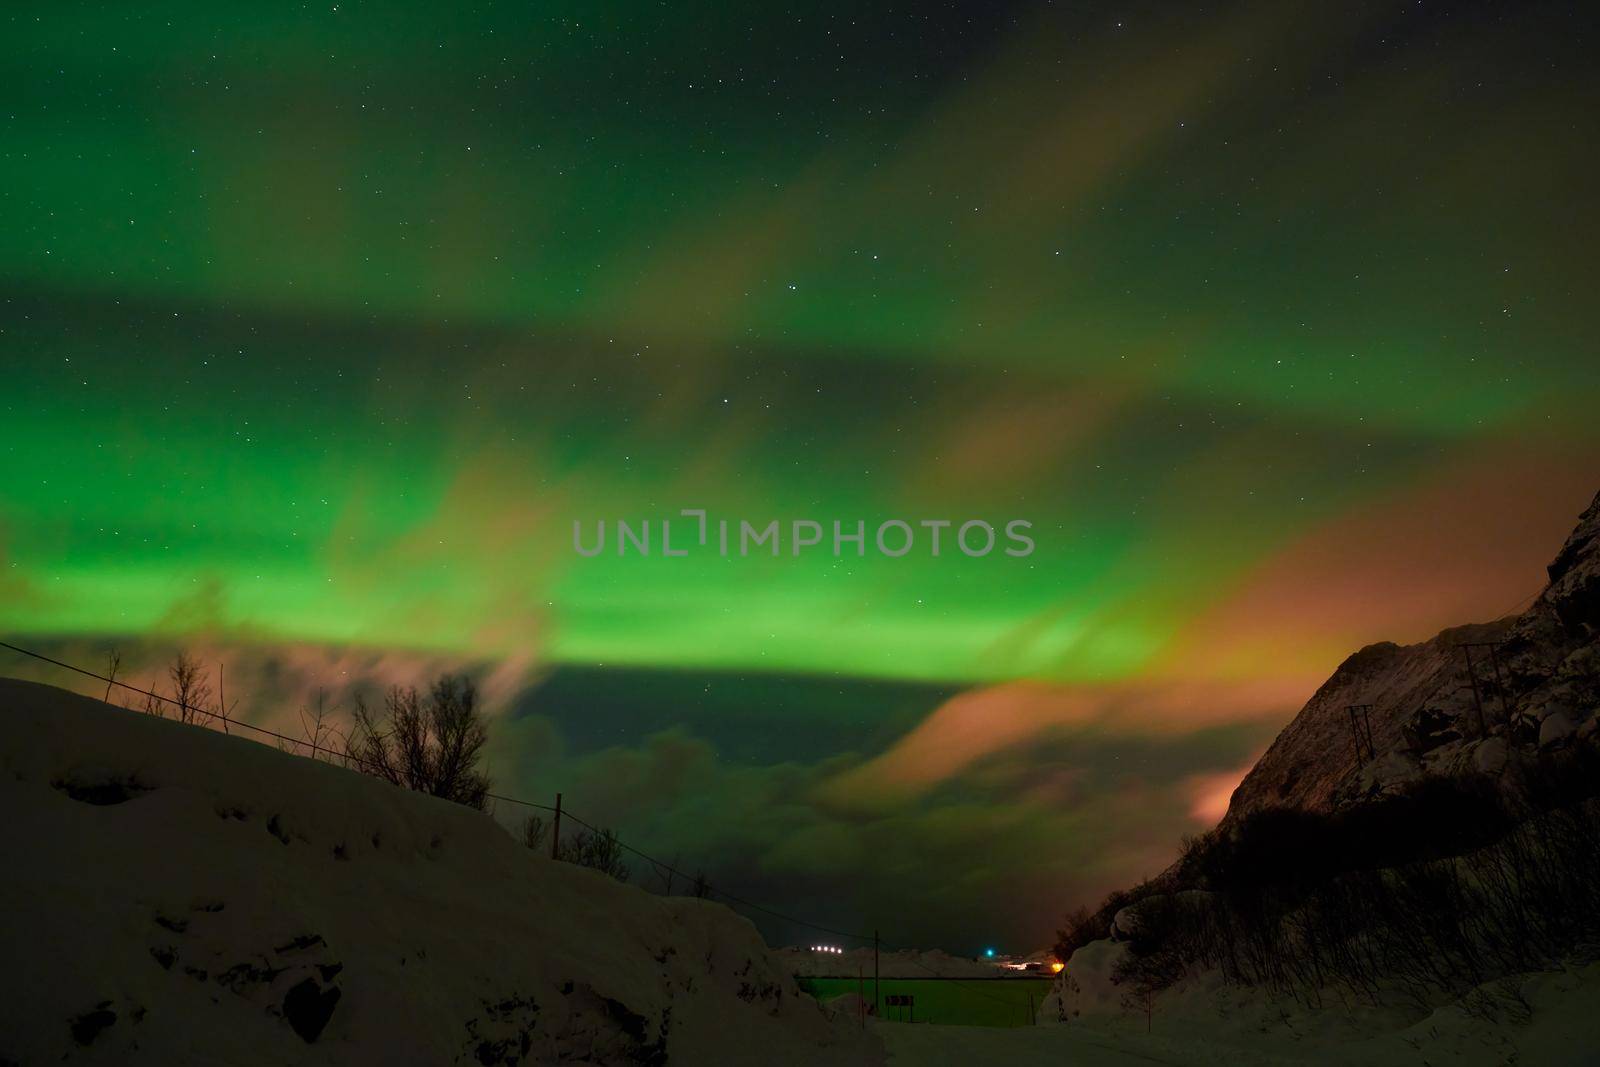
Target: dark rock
[243,975]
[1430,728]
[304,941]
[504,1036]
[87,1027]
[1574,590]
[103,793]
[308,1007]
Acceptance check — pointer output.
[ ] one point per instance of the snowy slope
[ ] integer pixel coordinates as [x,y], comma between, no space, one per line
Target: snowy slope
[1424,717]
[1550,1018]
[176,895]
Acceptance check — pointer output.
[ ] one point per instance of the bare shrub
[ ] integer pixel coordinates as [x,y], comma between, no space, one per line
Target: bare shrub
[600,851]
[150,703]
[321,735]
[1078,929]
[1305,903]
[191,691]
[432,744]
[1084,926]
[191,700]
[113,665]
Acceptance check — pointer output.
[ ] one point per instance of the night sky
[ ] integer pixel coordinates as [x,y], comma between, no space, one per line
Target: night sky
[320,325]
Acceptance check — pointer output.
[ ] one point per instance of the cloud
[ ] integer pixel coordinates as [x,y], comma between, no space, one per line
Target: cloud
[997,849]
[981,723]
[1211,793]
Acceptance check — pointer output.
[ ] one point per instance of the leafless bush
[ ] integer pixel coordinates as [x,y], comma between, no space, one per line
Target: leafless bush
[191,700]
[600,851]
[113,665]
[1440,926]
[1078,929]
[191,690]
[667,873]
[534,832]
[149,703]
[321,735]
[431,744]
[1083,926]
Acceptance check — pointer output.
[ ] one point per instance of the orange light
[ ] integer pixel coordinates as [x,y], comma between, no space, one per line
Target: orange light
[1058,967]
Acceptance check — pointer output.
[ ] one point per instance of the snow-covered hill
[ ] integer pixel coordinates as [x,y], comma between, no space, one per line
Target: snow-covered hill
[176,895]
[1536,692]
[1540,690]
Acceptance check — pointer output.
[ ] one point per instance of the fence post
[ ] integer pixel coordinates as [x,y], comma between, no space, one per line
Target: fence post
[877,1003]
[222,703]
[555,831]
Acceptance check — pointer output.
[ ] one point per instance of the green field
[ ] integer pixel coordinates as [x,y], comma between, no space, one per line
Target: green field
[967,1001]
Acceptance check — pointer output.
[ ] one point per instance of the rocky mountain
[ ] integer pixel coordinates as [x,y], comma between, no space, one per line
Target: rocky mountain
[1476,697]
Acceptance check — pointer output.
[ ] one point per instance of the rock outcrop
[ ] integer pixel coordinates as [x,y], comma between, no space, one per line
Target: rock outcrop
[1533,683]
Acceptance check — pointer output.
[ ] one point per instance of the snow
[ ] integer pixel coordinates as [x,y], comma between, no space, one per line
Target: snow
[177,895]
[1203,1020]
[1204,1023]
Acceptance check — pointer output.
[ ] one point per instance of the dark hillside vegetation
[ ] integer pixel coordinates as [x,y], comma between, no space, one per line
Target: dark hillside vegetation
[1444,887]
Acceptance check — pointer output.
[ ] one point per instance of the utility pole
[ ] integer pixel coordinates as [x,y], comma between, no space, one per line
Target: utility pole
[1477,701]
[555,831]
[877,1008]
[1361,730]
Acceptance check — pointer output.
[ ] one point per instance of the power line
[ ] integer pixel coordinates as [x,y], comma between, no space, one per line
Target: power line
[351,758]
[1521,604]
[662,865]
[360,761]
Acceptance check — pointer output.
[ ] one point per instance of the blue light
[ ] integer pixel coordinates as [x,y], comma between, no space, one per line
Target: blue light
[988,952]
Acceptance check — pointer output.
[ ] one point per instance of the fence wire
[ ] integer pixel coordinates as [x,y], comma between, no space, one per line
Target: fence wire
[350,758]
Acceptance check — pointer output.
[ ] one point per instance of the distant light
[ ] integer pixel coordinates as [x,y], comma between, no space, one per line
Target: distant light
[989,952]
[1058,966]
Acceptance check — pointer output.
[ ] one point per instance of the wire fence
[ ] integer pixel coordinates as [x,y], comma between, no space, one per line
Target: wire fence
[355,760]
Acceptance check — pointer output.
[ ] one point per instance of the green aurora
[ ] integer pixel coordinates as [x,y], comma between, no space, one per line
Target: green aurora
[321,326]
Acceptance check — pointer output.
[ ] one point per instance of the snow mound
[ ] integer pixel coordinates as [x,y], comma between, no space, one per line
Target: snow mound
[1087,985]
[177,895]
